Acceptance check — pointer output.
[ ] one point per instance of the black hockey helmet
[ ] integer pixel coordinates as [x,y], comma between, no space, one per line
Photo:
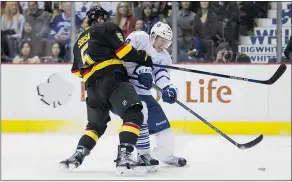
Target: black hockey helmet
[95,12]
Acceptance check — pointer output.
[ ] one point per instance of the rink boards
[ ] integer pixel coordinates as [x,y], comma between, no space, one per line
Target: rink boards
[29,102]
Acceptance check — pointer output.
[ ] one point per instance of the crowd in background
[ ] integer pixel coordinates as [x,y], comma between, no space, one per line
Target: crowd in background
[39,32]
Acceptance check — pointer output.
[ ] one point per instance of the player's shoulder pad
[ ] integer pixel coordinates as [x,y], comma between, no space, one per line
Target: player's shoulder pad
[139,39]
[105,27]
[98,28]
[143,36]
[111,26]
[139,34]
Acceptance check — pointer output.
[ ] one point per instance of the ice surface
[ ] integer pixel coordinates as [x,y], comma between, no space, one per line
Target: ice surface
[36,157]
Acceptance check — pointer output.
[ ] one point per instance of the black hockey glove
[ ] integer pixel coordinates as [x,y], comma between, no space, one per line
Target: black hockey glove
[148,61]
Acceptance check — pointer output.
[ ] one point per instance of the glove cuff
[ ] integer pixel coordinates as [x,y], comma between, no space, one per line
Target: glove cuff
[165,88]
[143,69]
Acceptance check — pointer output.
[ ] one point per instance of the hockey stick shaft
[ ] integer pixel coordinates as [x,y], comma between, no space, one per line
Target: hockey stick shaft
[241,146]
[272,80]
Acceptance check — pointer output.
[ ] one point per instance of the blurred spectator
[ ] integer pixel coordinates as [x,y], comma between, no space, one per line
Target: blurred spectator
[166,8]
[216,7]
[207,25]
[26,55]
[28,36]
[38,19]
[27,32]
[247,15]
[4,48]
[164,20]
[57,54]
[56,11]
[12,21]
[185,17]
[124,18]
[231,23]
[225,54]
[139,25]
[192,46]
[148,17]
[288,50]
[24,5]
[2,7]
[249,10]
[61,24]
[155,5]
[182,56]
[137,9]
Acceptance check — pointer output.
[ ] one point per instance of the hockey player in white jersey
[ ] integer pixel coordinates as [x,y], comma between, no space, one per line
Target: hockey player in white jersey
[141,77]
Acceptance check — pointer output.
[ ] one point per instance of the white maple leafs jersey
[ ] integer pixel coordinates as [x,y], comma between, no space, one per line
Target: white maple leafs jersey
[140,40]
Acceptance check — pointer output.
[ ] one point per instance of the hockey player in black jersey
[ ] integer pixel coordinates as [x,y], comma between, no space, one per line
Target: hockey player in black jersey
[97,59]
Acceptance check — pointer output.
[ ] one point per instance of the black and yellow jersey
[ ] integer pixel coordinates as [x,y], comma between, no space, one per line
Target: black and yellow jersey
[79,52]
[102,46]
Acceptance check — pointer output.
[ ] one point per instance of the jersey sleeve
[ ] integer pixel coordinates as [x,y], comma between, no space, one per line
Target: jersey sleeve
[162,75]
[75,67]
[131,39]
[139,40]
[123,50]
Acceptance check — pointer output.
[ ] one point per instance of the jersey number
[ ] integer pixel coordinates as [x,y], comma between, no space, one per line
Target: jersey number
[83,52]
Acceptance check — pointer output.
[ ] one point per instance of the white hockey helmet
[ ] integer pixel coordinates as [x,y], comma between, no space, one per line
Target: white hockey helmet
[162,30]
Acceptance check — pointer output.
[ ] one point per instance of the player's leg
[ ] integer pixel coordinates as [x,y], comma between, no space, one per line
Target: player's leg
[128,106]
[159,126]
[143,144]
[164,150]
[98,117]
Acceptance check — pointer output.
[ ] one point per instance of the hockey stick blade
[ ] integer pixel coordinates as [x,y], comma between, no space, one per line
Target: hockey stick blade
[251,144]
[280,71]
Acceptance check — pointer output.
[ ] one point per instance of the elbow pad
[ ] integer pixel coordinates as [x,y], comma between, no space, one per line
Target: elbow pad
[130,55]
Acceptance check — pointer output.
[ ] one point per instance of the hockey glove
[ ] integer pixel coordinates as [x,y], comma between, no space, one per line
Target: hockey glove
[147,59]
[169,94]
[145,76]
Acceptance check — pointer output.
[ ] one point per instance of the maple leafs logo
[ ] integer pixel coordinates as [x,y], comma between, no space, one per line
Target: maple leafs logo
[55,92]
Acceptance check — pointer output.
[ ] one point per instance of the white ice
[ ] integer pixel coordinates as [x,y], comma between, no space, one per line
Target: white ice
[36,157]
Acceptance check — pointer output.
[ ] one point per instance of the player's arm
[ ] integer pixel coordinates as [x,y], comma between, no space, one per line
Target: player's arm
[162,75]
[75,67]
[125,50]
[162,80]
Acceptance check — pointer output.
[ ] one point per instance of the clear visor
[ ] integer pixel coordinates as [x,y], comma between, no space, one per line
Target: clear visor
[161,43]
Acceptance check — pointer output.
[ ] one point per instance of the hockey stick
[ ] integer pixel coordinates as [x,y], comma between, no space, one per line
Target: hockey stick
[282,68]
[240,146]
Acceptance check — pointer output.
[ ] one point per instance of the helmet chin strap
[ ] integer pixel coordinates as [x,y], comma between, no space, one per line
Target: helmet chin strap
[152,43]
[152,39]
